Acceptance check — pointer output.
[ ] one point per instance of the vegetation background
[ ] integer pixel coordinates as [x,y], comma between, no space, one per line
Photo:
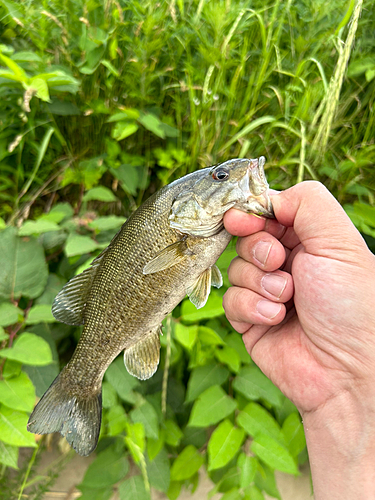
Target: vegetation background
[102,103]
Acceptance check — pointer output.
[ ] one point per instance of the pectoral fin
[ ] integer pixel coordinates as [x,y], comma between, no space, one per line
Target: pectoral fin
[216,277]
[199,292]
[168,257]
[142,359]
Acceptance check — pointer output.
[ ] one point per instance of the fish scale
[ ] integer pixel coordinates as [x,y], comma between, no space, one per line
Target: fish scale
[165,250]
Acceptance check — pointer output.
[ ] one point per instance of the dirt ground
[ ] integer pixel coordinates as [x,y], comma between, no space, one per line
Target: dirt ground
[291,488]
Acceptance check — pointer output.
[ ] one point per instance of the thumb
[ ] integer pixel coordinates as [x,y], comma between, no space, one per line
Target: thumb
[318,219]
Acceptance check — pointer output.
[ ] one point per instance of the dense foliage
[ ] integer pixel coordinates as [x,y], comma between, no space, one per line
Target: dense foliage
[101,104]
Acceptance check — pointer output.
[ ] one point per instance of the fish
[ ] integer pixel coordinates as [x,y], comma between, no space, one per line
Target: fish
[165,250]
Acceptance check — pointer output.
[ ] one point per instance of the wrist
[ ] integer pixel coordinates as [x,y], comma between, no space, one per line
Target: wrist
[340,438]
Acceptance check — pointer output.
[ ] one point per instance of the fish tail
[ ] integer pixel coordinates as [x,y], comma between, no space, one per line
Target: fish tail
[76,416]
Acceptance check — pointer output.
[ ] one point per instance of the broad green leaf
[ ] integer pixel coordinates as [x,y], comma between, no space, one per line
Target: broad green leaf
[13,66]
[135,440]
[121,380]
[109,467]
[294,434]
[209,336]
[24,270]
[224,443]
[253,384]
[186,464]
[186,335]
[99,193]
[3,335]
[29,349]
[116,420]
[40,313]
[213,308]
[11,369]
[17,393]
[148,417]
[77,244]
[42,376]
[133,489]
[158,471]
[13,428]
[233,494]
[153,124]
[154,446]
[235,340]
[212,405]
[54,285]
[41,88]
[109,395]
[37,227]
[123,130]
[173,433]
[9,455]
[124,114]
[265,480]
[95,493]
[248,466]
[253,493]
[106,223]
[274,454]
[255,420]
[203,377]
[9,314]
[229,357]
[174,490]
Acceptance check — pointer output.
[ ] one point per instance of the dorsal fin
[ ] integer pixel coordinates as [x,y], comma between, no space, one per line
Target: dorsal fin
[69,304]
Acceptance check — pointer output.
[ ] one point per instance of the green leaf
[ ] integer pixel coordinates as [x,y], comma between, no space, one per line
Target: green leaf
[212,405]
[95,493]
[294,434]
[41,313]
[23,270]
[233,494]
[121,380]
[174,490]
[173,433]
[186,335]
[106,223]
[54,285]
[208,336]
[255,420]
[265,480]
[39,226]
[42,376]
[109,395]
[224,443]
[100,193]
[274,454]
[234,340]
[123,129]
[253,493]
[109,467]
[158,471]
[153,124]
[18,393]
[79,245]
[249,467]
[116,420]
[29,349]
[133,489]
[9,314]
[135,441]
[187,463]
[41,88]
[13,428]
[3,335]
[253,384]
[212,309]
[229,357]
[154,446]
[203,377]
[9,455]
[147,415]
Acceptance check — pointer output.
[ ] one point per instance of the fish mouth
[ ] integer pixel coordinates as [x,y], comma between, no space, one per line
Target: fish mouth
[258,199]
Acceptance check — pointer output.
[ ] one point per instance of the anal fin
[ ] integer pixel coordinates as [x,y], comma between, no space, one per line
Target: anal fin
[142,359]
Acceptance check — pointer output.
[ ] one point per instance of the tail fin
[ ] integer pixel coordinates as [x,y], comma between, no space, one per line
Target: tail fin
[77,418]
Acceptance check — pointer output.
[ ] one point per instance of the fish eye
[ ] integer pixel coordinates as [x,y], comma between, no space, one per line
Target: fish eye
[221,174]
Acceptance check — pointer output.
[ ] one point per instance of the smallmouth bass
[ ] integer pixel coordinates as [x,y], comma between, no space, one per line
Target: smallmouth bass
[166,249]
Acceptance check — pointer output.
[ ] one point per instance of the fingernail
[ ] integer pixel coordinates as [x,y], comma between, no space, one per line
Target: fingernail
[274,284]
[261,251]
[268,309]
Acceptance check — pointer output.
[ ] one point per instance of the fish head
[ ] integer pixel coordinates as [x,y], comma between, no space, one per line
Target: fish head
[238,183]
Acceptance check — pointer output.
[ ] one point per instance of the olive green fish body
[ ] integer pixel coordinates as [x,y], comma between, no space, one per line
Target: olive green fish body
[165,250]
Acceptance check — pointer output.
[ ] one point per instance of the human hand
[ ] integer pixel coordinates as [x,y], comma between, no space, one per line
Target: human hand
[313,275]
